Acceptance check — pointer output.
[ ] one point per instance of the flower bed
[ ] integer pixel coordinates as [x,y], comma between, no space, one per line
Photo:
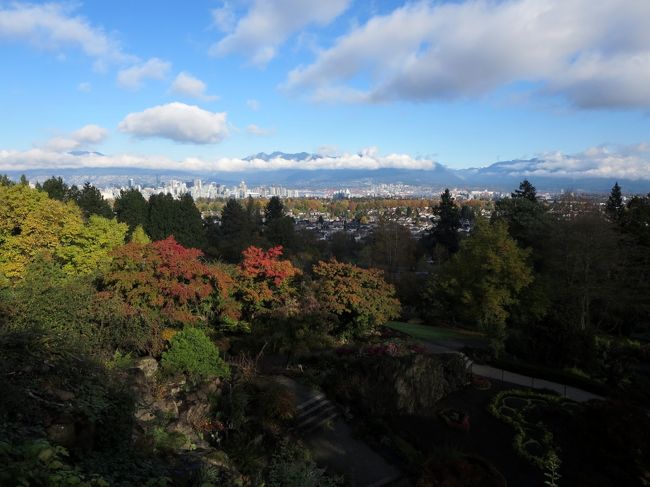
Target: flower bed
[455,419]
[480,383]
[390,348]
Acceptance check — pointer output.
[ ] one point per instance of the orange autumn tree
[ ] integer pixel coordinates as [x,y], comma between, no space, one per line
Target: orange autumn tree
[158,285]
[360,299]
[266,282]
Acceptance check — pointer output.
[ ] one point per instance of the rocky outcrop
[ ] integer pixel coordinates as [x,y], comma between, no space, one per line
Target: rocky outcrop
[410,384]
[170,405]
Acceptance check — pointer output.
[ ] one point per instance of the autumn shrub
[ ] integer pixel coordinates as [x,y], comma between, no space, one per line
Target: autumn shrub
[275,406]
[360,299]
[121,327]
[191,352]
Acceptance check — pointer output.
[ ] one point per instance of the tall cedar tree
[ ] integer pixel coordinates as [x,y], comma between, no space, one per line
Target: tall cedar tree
[526,217]
[178,218]
[274,210]
[635,223]
[92,202]
[445,232]
[526,191]
[131,208]
[5,181]
[279,229]
[162,216]
[615,206]
[190,232]
[58,190]
[235,233]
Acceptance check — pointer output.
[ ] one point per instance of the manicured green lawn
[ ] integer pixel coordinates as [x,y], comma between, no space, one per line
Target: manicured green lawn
[434,333]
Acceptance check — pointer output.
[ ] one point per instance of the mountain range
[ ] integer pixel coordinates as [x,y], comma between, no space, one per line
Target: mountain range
[500,176]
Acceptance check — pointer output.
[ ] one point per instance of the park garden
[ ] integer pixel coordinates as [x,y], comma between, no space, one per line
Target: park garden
[133,357]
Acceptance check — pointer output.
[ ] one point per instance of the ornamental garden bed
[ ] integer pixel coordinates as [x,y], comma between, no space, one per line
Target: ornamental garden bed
[525,412]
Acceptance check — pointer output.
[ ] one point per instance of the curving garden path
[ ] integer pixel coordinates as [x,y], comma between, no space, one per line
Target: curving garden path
[329,439]
[569,392]
[455,345]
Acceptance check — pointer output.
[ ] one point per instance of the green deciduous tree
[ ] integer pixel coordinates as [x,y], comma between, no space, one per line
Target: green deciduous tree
[392,248]
[482,281]
[51,301]
[31,223]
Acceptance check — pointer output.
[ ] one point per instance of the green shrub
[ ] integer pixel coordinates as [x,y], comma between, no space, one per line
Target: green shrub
[37,462]
[292,467]
[191,352]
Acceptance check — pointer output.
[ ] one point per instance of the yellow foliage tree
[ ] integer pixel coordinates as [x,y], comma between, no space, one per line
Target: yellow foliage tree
[31,223]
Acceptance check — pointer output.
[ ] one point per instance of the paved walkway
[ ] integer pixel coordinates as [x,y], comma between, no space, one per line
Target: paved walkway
[535,383]
[331,443]
[490,372]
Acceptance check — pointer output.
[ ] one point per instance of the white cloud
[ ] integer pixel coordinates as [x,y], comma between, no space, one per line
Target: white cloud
[85,87]
[90,134]
[616,162]
[179,122]
[253,104]
[269,23]
[133,77]
[86,136]
[259,131]
[224,17]
[11,160]
[54,26]
[597,54]
[188,85]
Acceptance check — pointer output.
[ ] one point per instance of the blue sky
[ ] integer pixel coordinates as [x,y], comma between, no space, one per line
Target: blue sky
[205,83]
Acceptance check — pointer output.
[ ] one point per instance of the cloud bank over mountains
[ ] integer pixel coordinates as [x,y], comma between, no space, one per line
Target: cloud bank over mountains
[603,162]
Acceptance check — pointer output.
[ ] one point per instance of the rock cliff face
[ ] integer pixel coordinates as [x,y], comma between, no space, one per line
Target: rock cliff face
[169,406]
[170,416]
[410,384]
